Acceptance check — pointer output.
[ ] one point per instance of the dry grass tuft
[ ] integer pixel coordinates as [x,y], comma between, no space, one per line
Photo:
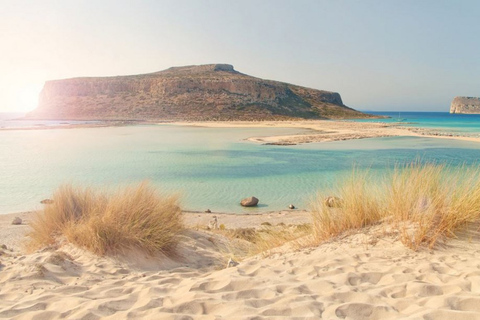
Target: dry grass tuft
[269,238]
[358,208]
[264,239]
[58,258]
[136,217]
[426,203]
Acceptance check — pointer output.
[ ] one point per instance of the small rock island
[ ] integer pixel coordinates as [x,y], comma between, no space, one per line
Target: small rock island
[465,105]
[192,93]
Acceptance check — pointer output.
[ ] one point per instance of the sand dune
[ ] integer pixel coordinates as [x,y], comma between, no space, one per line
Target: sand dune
[367,275]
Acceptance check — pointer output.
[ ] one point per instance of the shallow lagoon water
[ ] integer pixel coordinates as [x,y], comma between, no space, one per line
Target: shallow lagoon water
[211,168]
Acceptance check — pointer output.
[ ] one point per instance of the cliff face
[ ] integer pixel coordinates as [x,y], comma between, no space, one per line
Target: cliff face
[207,92]
[465,105]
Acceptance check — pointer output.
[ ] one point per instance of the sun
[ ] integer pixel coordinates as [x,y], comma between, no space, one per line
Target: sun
[25,98]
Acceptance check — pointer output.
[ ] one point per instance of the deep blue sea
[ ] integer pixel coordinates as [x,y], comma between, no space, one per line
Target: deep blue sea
[210,168]
[458,123]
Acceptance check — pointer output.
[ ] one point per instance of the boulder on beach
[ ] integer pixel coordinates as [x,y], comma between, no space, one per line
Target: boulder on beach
[17,220]
[249,202]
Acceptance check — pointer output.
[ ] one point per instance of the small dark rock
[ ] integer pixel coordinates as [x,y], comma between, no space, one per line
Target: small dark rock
[17,220]
[208,211]
[291,206]
[249,202]
[232,263]
[46,201]
[3,246]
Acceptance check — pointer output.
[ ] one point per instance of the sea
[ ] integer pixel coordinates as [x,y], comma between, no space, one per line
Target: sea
[455,123]
[209,168]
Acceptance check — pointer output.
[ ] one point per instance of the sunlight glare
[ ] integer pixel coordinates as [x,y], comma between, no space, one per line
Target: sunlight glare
[25,98]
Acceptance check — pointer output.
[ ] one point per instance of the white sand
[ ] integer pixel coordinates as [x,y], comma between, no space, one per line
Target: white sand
[368,275]
[324,131]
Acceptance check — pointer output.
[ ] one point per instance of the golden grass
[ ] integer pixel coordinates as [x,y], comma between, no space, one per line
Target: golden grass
[358,208]
[267,237]
[426,202]
[135,217]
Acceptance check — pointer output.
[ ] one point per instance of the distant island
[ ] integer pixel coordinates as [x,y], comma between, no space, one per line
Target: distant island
[465,105]
[192,93]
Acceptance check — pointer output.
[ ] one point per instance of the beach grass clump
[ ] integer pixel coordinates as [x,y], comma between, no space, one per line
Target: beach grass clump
[357,205]
[109,223]
[270,237]
[267,237]
[425,202]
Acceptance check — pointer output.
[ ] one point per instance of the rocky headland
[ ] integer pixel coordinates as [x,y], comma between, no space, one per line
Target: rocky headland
[192,93]
[465,105]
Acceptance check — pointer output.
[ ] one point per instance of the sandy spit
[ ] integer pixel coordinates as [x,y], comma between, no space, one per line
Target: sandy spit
[327,130]
[365,275]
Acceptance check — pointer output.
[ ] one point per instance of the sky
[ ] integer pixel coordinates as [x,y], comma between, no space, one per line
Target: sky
[381,55]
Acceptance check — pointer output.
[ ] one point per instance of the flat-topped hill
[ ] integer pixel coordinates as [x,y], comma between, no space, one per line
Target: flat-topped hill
[191,93]
[465,105]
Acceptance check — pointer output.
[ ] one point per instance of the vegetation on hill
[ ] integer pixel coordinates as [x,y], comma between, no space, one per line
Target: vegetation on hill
[193,93]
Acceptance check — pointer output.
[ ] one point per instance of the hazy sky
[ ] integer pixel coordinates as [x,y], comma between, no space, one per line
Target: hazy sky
[379,55]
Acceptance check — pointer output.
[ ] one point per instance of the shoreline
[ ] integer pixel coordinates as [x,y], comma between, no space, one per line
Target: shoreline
[192,219]
[319,130]
[331,130]
[97,124]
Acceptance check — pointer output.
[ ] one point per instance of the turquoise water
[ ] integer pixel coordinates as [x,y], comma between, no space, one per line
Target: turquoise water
[14,120]
[456,123]
[210,167]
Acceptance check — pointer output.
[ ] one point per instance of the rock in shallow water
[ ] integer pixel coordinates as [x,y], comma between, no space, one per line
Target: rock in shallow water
[249,202]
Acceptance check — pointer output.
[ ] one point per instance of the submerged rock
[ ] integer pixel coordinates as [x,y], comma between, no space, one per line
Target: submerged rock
[249,202]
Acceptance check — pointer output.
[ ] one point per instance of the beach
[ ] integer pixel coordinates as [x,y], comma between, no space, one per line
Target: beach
[219,160]
[319,130]
[367,274]
[362,274]
[330,130]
